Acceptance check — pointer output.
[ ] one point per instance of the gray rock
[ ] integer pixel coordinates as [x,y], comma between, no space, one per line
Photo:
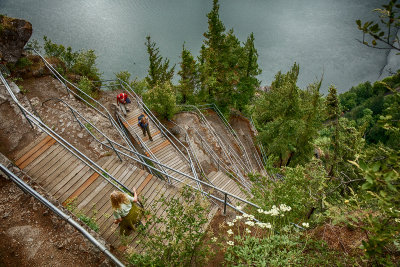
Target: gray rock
[14,35]
[14,88]
[80,135]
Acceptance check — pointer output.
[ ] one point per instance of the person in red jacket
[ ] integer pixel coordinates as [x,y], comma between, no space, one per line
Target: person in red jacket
[122,100]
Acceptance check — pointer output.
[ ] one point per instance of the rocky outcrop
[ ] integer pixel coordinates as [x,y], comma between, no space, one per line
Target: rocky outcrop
[14,34]
[392,62]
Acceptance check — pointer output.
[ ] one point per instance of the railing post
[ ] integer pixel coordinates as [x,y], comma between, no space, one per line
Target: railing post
[225,200]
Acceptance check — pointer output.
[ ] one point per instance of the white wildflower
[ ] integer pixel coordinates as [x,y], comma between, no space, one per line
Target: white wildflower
[250,223]
[234,220]
[239,217]
[230,223]
[397,220]
[230,243]
[230,232]
[239,207]
[268,225]
[213,239]
[248,230]
[260,210]
[306,225]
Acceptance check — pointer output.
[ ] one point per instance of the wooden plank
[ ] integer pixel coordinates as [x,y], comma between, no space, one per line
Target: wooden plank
[43,157]
[36,154]
[79,172]
[75,167]
[89,183]
[51,165]
[153,135]
[144,183]
[160,146]
[76,182]
[99,197]
[32,150]
[63,163]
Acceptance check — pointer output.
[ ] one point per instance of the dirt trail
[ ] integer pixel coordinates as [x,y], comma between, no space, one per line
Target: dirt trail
[32,235]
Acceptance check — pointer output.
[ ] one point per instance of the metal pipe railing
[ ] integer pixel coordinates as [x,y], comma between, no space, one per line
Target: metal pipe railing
[219,141]
[63,81]
[26,188]
[152,117]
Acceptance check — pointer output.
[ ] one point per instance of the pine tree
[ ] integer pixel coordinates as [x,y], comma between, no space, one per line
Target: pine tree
[189,76]
[159,71]
[249,70]
[288,119]
[210,54]
[333,114]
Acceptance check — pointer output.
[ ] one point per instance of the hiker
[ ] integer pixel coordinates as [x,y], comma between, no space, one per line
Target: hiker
[143,122]
[126,213]
[122,100]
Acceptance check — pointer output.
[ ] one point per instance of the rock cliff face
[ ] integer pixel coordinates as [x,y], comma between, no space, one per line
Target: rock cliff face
[14,34]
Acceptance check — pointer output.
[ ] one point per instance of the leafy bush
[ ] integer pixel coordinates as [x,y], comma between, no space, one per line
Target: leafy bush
[23,62]
[89,221]
[87,87]
[81,63]
[179,241]
[161,98]
[302,189]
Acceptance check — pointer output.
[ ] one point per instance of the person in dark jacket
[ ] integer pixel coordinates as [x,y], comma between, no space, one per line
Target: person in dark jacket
[143,122]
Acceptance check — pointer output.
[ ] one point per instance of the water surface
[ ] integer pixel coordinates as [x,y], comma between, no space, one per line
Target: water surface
[320,35]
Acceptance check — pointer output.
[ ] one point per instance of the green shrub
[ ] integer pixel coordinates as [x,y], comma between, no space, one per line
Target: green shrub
[161,99]
[87,87]
[180,241]
[82,63]
[70,204]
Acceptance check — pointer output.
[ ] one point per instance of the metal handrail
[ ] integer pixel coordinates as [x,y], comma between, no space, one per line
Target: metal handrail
[232,154]
[62,80]
[26,188]
[103,173]
[146,148]
[152,117]
[234,134]
[111,142]
[220,163]
[223,147]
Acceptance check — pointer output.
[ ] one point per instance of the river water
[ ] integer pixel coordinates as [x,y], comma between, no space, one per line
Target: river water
[320,35]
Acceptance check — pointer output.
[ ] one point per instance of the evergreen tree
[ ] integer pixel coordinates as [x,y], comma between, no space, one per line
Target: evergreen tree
[189,76]
[289,119]
[333,114]
[248,81]
[159,71]
[161,99]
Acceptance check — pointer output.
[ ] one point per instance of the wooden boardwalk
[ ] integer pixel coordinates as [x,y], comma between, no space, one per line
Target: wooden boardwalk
[161,148]
[67,178]
[223,182]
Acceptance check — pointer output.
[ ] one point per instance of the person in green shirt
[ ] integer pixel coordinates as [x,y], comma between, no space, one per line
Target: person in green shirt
[126,211]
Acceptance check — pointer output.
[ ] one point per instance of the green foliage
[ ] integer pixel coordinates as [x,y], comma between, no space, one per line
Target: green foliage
[189,77]
[23,62]
[376,98]
[33,44]
[87,87]
[82,63]
[382,190]
[276,250]
[289,118]
[161,99]
[85,65]
[389,20]
[89,221]
[180,241]
[227,70]
[302,188]
[159,71]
